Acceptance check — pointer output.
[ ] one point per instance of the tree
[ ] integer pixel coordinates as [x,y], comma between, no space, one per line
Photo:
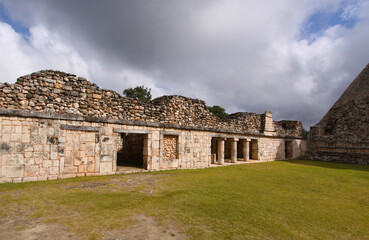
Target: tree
[139,93]
[305,133]
[218,111]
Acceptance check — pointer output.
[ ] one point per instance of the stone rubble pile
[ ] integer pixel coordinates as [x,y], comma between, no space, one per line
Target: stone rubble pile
[63,93]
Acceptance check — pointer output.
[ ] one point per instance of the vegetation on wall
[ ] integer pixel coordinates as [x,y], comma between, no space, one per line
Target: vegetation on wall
[218,111]
[140,93]
[305,133]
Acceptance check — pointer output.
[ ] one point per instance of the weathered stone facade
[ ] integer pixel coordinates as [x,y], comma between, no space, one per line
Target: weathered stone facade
[343,133]
[56,125]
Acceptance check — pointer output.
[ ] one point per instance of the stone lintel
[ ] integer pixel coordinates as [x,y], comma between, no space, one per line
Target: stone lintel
[80,128]
[170,133]
[117,130]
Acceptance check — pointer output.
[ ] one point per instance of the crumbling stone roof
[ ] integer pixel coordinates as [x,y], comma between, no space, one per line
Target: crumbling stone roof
[64,93]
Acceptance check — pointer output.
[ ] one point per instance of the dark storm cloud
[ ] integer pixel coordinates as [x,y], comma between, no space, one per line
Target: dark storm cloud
[242,55]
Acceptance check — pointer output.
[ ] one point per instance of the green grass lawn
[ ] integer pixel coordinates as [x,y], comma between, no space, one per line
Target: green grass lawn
[276,200]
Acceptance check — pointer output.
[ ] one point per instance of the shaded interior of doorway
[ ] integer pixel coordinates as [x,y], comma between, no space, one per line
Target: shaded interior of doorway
[288,149]
[214,150]
[131,152]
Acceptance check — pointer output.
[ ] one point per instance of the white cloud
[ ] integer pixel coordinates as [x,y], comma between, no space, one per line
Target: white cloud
[243,55]
[12,58]
[41,50]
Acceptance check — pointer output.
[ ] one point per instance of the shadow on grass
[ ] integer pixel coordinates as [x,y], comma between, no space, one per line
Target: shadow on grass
[347,166]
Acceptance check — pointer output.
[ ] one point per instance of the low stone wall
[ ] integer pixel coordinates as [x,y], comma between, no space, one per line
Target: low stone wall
[324,146]
[342,157]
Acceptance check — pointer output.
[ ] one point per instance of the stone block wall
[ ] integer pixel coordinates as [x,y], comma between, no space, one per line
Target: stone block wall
[80,152]
[272,149]
[299,148]
[35,149]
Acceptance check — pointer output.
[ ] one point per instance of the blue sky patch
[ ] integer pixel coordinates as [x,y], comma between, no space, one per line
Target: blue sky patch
[320,21]
[18,26]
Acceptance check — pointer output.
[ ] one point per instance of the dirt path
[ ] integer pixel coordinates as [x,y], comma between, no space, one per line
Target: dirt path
[145,228]
[21,228]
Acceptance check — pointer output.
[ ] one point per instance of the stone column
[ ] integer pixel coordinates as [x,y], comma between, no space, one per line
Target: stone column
[246,149]
[234,150]
[221,151]
[213,158]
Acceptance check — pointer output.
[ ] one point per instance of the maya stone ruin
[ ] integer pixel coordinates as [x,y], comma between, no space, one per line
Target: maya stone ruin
[57,125]
[343,133]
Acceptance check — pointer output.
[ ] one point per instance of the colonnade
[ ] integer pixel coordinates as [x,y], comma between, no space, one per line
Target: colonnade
[245,149]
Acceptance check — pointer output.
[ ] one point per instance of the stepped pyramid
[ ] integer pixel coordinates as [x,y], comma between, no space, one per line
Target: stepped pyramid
[348,118]
[343,133]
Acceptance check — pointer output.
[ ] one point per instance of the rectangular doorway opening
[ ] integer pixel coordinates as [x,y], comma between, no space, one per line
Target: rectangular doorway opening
[288,149]
[131,153]
[240,149]
[227,150]
[214,150]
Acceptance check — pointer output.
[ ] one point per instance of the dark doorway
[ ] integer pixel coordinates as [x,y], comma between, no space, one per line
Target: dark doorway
[214,150]
[240,149]
[227,150]
[131,153]
[288,149]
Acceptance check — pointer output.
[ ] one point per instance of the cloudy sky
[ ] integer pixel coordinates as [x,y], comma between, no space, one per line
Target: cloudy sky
[293,57]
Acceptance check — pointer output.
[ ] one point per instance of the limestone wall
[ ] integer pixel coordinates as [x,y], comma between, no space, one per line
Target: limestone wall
[273,149]
[35,148]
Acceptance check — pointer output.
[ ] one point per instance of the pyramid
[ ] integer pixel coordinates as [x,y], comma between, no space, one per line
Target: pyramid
[359,88]
[343,133]
[348,118]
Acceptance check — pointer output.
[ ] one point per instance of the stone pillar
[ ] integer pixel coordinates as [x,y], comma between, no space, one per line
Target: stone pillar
[234,150]
[221,151]
[246,149]
[213,158]
[267,122]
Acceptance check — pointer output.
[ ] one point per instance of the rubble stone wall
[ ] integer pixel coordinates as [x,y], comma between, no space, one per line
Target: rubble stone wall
[288,128]
[63,93]
[170,146]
